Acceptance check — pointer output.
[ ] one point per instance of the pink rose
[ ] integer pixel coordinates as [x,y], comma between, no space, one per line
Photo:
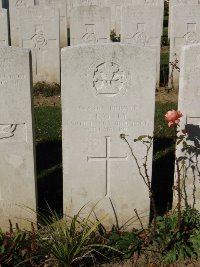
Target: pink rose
[173,117]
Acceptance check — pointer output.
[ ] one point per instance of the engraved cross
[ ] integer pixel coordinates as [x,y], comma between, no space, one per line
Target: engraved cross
[108,158]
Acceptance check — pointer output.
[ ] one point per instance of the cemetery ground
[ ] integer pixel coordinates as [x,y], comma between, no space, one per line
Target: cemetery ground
[164,243]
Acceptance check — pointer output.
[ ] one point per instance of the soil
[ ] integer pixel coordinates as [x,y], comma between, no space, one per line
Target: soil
[162,95]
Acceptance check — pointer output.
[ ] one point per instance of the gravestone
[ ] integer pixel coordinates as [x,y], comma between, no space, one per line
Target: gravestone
[117,5]
[107,90]
[62,6]
[3,27]
[17,163]
[0,3]
[89,25]
[178,3]
[185,30]
[14,7]
[39,31]
[141,26]
[77,3]
[189,97]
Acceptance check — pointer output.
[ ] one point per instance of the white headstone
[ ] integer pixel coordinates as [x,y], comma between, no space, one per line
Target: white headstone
[189,98]
[39,31]
[62,6]
[140,26]
[3,27]
[89,25]
[0,3]
[107,90]
[76,3]
[117,5]
[185,30]
[179,3]
[17,162]
[14,7]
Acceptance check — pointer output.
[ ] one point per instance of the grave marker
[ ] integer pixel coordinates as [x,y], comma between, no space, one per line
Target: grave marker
[185,31]
[39,31]
[79,3]
[105,96]
[14,7]
[140,26]
[117,5]
[62,6]
[89,25]
[3,27]
[189,97]
[17,164]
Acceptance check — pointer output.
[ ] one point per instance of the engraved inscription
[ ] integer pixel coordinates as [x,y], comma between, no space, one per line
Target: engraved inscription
[108,79]
[20,4]
[89,36]
[7,130]
[108,158]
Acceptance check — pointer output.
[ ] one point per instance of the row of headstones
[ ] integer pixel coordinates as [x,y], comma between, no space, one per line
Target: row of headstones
[107,90]
[37,28]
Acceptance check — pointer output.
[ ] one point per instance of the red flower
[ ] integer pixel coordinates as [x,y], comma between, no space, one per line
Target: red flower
[173,117]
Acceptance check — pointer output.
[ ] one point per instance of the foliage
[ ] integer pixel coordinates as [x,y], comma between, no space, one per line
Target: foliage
[19,248]
[46,89]
[72,241]
[114,37]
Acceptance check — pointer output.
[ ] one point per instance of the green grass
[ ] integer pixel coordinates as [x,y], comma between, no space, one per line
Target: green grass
[48,124]
[161,128]
[165,31]
[164,58]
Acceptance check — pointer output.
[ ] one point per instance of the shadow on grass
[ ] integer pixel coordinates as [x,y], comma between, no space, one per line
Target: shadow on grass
[49,172]
[163,173]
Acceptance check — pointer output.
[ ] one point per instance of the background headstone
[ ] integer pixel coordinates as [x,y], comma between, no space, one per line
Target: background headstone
[62,6]
[185,30]
[141,26]
[3,27]
[178,3]
[76,3]
[89,25]
[17,162]
[0,3]
[107,90]
[117,5]
[39,31]
[14,7]
[189,98]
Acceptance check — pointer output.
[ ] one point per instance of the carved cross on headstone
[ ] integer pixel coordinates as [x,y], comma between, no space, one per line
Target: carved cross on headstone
[38,42]
[108,159]
[190,37]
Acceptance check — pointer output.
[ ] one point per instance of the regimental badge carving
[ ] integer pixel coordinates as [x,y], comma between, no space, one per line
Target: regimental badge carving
[20,4]
[108,79]
[7,130]
[191,38]
[89,36]
[39,40]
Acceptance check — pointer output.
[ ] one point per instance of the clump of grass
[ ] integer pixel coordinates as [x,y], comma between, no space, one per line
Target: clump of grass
[46,89]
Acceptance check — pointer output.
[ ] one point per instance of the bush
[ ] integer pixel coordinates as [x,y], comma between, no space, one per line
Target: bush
[46,89]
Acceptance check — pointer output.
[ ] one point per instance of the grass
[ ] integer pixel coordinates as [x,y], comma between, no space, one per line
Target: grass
[48,124]
[164,59]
